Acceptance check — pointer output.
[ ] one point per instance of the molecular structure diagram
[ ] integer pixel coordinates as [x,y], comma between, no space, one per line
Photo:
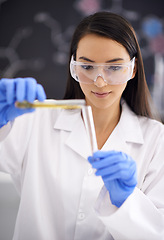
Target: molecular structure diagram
[86,7]
[151,31]
[9,53]
[59,38]
[15,64]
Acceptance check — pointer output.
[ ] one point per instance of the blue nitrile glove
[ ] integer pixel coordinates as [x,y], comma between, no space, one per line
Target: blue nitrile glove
[118,171]
[18,89]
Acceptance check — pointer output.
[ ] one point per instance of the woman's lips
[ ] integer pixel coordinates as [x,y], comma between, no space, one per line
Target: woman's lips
[101,95]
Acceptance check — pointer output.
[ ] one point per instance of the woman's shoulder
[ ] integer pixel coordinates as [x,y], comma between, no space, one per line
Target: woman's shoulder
[146,124]
[152,125]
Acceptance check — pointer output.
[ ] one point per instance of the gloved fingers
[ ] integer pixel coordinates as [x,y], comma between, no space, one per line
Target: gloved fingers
[25,89]
[114,168]
[10,91]
[20,85]
[132,180]
[126,176]
[111,177]
[3,84]
[90,159]
[122,176]
[40,93]
[103,154]
[99,156]
[28,89]
[119,171]
[108,160]
[7,88]
[31,86]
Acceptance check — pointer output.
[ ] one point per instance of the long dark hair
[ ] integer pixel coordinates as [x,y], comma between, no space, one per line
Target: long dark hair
[114,27]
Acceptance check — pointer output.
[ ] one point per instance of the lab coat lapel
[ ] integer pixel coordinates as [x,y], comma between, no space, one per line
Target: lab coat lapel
[127,131]
[116,142]
[71,121]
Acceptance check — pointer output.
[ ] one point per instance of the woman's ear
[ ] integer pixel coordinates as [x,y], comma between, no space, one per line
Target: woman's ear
[135,68]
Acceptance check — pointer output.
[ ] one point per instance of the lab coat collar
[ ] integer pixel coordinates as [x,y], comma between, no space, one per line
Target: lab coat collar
[130,125]
[71,121]
[67,119]
[128,130]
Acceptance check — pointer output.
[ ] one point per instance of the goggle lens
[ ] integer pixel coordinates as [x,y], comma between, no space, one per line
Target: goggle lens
[112,74]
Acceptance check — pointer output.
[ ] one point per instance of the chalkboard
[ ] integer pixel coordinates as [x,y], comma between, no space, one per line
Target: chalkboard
[35,37]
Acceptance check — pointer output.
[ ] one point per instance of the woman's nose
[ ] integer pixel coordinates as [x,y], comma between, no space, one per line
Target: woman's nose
[99,81]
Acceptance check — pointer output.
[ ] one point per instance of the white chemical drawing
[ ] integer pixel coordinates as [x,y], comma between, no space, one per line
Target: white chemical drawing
[15,64]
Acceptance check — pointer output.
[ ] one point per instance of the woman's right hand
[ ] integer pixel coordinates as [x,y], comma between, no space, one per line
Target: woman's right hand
[18,89]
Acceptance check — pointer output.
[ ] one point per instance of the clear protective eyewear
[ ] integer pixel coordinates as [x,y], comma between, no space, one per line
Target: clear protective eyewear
[112,73]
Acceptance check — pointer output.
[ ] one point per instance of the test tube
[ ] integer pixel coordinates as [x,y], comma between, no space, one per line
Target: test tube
[89,124]
[66,104]
[69,104]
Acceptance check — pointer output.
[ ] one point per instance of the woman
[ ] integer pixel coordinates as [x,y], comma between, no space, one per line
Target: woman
[61,196]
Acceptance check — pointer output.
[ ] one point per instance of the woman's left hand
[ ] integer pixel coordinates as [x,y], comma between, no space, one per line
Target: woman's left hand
[118,171]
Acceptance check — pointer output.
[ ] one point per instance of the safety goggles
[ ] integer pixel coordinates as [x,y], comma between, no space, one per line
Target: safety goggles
[112,73]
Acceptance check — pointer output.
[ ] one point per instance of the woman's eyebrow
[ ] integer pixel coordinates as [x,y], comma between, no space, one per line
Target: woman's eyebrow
[86,59]
[115,60]
[109,61]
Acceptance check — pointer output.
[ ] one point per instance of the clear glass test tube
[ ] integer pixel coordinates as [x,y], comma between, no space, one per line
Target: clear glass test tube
[89,124]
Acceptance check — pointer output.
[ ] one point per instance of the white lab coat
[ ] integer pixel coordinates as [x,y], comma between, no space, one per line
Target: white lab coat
[61,199]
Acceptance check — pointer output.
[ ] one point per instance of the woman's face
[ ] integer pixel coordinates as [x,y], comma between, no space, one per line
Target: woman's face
[97,49]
